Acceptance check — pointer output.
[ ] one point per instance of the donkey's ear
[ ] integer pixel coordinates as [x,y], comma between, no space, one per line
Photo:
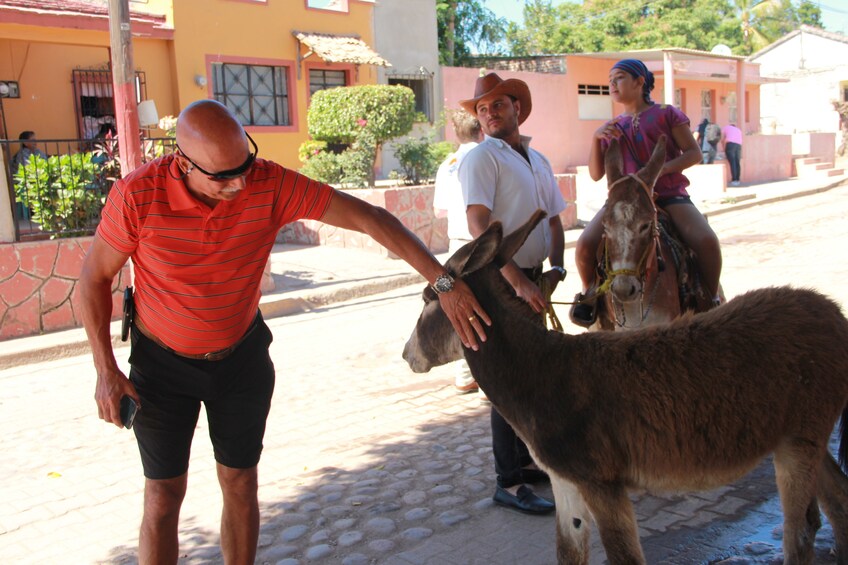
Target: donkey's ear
[650,172]
[476,254]
[513,242]
[613,164]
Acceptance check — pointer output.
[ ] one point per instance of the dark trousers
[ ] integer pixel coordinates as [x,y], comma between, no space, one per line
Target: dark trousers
[511,454]
[734,155]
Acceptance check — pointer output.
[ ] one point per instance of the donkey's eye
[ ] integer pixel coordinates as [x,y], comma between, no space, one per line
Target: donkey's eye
[644,227]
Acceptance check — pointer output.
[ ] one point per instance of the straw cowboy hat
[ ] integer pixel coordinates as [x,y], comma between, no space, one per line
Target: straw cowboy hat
[492,84]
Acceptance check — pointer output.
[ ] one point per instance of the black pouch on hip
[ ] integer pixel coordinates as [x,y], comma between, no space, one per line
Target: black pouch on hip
[129,311]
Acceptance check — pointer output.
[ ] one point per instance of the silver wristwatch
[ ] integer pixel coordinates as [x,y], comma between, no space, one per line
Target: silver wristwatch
[560,270]
[443,283]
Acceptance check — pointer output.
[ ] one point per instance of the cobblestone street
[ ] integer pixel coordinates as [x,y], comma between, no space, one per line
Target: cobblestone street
[366,462]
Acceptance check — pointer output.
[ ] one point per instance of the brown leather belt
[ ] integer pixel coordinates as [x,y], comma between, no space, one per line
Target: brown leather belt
[219,355]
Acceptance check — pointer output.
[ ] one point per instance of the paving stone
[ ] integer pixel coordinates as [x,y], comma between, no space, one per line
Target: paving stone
[414,497]
[319,536]
[356,559]
[293,532]
[381,545]
[279,552]
[416,533]
[319,551]
[453,517]
[350,538]
[344,523]
[417,514]
[380,525]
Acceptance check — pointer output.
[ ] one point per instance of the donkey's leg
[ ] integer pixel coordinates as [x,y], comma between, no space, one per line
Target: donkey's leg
[573,523]
[833,494]
[796,466]
[616,522]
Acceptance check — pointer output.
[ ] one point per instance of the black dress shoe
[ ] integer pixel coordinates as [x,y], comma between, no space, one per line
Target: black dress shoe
[524,501]
[534,476]
[583,313]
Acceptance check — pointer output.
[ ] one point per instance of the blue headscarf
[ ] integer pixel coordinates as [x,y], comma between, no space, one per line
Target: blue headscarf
[637,68]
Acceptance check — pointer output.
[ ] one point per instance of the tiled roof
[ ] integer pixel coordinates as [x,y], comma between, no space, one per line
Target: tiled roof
[341,49]
[75,8]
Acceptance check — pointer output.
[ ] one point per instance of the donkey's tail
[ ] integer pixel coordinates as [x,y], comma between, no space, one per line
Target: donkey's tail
[843,441]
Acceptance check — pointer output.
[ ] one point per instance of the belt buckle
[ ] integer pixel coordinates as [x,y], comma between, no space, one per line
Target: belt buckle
[216,355]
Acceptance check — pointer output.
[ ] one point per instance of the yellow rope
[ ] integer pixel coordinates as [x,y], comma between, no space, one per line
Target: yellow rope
[549,313]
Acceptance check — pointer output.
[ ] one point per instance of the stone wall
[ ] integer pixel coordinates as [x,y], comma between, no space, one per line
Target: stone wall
[38,286]
[413,206]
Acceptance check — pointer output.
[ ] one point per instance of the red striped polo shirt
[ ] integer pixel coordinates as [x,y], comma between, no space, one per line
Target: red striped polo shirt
[197,269]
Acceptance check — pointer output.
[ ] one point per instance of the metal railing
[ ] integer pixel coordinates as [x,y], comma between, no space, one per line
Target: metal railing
[59,186]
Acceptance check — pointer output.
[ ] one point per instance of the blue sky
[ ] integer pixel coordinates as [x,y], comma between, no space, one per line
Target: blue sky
[834,12]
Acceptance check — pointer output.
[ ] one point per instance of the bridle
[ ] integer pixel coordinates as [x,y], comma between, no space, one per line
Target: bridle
[641,270]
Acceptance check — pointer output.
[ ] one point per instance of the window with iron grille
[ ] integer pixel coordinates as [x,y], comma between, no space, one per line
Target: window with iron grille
[707,97]
[420,86]
[94,99]
[593,89]
[321,79]
[258,95]
[593,102]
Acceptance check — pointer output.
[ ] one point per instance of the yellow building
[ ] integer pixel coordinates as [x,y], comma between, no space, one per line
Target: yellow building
[262,58]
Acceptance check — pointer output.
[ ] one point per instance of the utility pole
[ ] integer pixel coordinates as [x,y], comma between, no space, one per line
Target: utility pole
[123,84]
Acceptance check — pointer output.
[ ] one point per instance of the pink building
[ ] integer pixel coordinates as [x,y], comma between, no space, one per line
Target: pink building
[571,100]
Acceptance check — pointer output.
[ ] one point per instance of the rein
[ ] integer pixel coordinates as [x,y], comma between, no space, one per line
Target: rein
[640,271]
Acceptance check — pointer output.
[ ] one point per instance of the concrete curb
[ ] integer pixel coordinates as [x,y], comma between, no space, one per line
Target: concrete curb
[779,198]
[69,343]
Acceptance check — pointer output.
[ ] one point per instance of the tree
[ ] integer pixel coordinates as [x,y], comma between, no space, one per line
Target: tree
[363,117]
[463,24]
[613,25]
[809,14]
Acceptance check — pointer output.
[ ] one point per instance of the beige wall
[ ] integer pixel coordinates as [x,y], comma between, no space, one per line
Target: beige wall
[42,60]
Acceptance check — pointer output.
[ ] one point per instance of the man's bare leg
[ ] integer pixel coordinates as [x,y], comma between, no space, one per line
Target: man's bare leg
[158,540]
[240,517]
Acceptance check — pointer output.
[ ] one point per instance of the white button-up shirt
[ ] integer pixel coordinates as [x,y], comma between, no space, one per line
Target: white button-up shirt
[496,176]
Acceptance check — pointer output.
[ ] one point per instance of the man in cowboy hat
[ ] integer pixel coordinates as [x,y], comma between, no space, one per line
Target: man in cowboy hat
[504,180]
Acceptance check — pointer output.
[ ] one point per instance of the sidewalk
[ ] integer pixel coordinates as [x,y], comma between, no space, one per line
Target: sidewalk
[307,277]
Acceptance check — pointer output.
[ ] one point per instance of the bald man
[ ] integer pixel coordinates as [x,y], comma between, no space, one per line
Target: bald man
[199,226]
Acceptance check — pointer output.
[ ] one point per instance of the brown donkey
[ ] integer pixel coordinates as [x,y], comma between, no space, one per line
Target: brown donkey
[688,405]
[648,276]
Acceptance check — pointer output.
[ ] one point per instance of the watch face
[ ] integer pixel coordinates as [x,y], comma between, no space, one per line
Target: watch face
[443,283]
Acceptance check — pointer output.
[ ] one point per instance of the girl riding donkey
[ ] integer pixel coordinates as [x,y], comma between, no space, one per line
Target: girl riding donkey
[638,129]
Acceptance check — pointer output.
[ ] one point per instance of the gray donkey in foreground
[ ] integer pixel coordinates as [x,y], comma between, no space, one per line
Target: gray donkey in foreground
[688,405]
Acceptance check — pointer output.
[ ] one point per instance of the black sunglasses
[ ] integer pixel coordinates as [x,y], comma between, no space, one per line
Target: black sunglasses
[229,174]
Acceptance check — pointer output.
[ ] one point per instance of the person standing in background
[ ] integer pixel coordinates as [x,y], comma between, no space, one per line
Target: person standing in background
[447,200]
[731,137]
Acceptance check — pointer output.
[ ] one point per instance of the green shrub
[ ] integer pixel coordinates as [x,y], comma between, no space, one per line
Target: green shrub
[64,192]
[420,158]
[441,150]
[357,162]
[309,149]
[364,117]
[323,166]
[340,115]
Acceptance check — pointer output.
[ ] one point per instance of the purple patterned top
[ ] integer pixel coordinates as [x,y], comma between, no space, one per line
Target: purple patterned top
[636,147]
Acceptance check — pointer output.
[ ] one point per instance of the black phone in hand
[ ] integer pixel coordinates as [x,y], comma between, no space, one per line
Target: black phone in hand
[129,408]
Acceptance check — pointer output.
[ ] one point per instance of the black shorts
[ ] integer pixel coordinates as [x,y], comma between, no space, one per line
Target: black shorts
[236,392]
[668,200]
